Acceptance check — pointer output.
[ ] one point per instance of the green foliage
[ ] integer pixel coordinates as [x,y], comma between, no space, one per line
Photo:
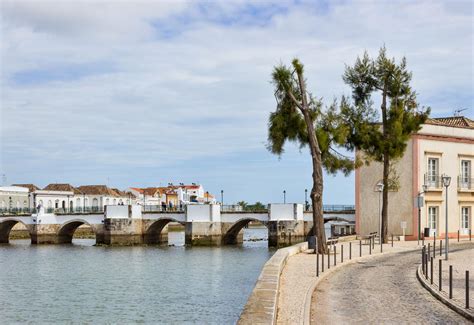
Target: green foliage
[401,116]
[287,122]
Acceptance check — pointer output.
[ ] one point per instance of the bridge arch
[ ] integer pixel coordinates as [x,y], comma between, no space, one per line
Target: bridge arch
[154,235]
[7,225]
[233,235]
[67,230]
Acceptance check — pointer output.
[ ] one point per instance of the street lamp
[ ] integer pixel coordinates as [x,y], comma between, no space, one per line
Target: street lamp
[380,190]
[284,196]
[446,181]
[419,204]
[207,197]
[306,199]
[222,197]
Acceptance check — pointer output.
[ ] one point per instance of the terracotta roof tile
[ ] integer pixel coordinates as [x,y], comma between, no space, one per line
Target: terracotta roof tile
[453,121]
[62,187]
[97,190]
[30,187]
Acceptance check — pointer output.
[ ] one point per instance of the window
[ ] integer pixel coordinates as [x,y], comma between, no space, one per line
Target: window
[465,171]
[433,164]
[432,217]
[465,217]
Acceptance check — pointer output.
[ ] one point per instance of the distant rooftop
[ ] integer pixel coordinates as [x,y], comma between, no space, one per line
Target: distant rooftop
[30,187]
[453,121]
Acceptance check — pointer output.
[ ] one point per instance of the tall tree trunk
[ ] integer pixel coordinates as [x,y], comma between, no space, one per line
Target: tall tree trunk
[317,190]
[386,169]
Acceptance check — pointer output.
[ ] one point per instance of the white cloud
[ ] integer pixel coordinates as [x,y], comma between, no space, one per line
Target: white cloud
[201,89]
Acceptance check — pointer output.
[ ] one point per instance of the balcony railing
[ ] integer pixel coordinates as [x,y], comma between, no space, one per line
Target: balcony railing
[433,181]
[465,183]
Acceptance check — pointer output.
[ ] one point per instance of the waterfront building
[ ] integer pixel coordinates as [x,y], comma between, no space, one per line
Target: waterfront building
[95,197]
[14,198]
[443,146]
[172,195]
[56,197]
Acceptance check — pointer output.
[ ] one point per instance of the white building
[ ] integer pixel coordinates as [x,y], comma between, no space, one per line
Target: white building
[14,199]
[443,147]
[95,197]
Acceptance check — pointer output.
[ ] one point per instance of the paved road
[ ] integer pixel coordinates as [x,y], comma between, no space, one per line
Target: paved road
[382,289]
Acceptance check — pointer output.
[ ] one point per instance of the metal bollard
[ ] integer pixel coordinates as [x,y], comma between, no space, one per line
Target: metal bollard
[334,255]
[373,242]
[322,262]
[423,260]
[450,282]
[317,264]
[431,270]
[350,250]
[360,248]
[467,289]
[370,249]
[434,246]
[440,272]
[423,240]
[458,236]
[342,253]
[440,247]
[429,250]
[329,260]
[426,266]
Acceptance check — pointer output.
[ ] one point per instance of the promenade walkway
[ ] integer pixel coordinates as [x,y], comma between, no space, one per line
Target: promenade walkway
[350,293]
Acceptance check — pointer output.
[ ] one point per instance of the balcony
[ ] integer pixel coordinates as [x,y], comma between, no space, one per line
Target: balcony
[465,183]
[433,182]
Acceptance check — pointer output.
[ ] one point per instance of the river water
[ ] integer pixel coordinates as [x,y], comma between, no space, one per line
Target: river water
[81,283]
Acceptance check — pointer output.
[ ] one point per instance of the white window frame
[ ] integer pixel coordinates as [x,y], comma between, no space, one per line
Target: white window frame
[465,172]
[465,218]
[433,211]
[432,173]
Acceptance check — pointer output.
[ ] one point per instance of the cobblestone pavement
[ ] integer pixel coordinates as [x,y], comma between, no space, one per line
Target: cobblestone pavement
[380,289]
[462,261]
[299,275]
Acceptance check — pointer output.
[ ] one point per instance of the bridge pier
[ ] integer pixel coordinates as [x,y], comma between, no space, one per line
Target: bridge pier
[203,233]
[285,233]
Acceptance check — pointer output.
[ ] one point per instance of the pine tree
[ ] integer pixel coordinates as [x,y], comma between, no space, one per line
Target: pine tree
[383,140]
[299,118]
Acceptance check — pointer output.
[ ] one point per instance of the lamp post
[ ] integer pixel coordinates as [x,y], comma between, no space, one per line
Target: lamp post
[222,197]
[419,204]
[446,181]
[207,197]
[306,199]
[284,196]
[380,190]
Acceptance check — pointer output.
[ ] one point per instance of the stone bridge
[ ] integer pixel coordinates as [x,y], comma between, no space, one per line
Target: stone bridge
[205,225]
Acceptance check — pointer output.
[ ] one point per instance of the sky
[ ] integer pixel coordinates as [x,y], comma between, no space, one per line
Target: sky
[144,93]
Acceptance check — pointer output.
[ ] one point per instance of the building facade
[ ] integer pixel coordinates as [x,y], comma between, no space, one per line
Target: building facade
[443,146]
[14,199]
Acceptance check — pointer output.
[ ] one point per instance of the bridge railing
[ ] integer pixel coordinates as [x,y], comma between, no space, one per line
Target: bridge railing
[162,208]
[17,211]
[333,207]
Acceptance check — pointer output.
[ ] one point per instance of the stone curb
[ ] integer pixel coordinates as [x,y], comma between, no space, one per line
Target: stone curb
[443,297]
[307,301]
[262,305]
